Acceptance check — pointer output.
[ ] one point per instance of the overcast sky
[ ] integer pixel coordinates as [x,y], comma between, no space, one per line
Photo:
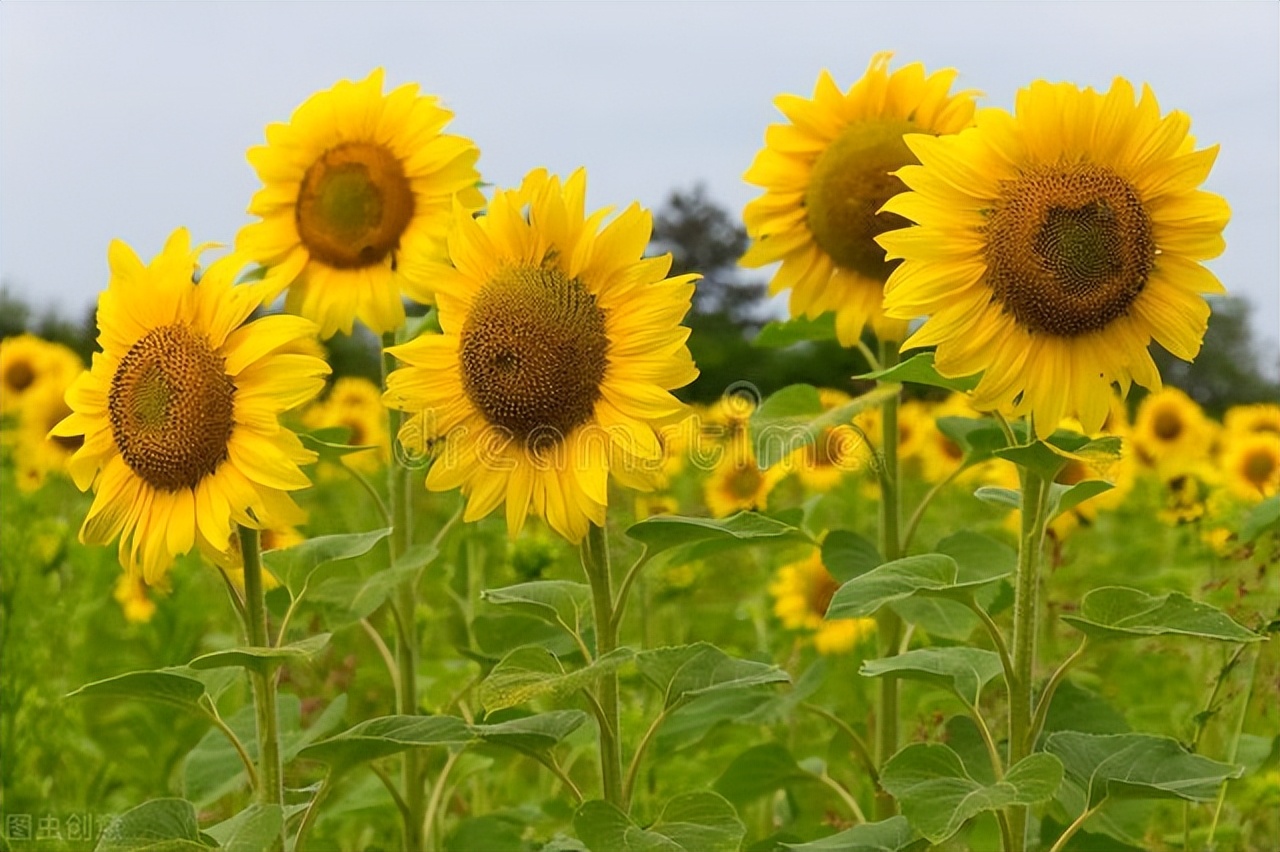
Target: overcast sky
[127,120]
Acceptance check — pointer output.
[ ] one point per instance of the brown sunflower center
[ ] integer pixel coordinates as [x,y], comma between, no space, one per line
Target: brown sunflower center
[353,205]
[1069,248]
[849,183]
[1167,424]
[533,353]
[744,482]
[1259,466]
[820,592]
[19,375]
[171,408]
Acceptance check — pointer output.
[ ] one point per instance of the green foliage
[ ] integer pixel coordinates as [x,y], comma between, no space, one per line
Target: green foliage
[691,822]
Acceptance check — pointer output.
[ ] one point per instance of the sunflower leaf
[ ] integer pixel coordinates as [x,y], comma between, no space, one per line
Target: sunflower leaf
[780,334]
[1263,518]
[664,532]
[938,795]
[559,602]
[161,825]
[537,733]
[530,672]
[1064,498]
[685,672]
[758,771]
[1116,612]
[177,687]
[930,574]
[1140,766]
[295,565]
[254,828]
[847,555]
[690,822]
[387,735]
[794,417]
[262,659]
[964,671]
[919,370]
[891,835]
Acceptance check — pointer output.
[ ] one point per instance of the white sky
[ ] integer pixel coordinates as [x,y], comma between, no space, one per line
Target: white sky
[127,120]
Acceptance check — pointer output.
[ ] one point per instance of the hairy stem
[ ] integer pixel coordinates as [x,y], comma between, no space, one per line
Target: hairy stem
[270,772]
[595,563]
[888,622]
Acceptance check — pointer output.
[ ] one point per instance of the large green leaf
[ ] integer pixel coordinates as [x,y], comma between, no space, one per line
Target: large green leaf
[665,532]
[891,835]
[919,370]
[346,597]
[175,686]
[686,672]
[1263,518]
[847,555]
[538,733]
[559,602]
[929,574]
[529,673]
[758,771]
[779,334]
[261,659]
[964,671]
[1140,766]
[386,735]
[294,565]
[1116,612]
[691,822]
[938,795]
[161,825]
[794,418]
[253,829]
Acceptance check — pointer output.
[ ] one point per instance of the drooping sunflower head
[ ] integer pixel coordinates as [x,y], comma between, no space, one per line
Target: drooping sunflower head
[357,184]
[801,592]
[827,173]
[179,412]
[560,346]
[1054,245]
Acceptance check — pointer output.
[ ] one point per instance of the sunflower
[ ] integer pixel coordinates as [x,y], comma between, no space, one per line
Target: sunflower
[1251,465]
[1054,245]
[801,593]
[1169,425]
[355,404]
[835,451]
[38,453]
[355,186]
[560,345]
[134,599]
[826,175]
[737,483]
[179,411]
[27,362]
[1261,417]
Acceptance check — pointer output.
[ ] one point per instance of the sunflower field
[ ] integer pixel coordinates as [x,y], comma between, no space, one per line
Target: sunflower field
[520,594]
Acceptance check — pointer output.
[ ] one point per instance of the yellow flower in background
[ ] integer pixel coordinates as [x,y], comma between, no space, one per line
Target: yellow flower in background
[826,174]
[1188,489]
[1251,464]
[1170,425]
[737,484]
[1261,417]
[729,417]
[27,362]
[653,503]
[561,343]
[180,411]
[801,592]
[356,187]
[355,404]
[836,452]
[134,598]
[1054,245]
[39,453]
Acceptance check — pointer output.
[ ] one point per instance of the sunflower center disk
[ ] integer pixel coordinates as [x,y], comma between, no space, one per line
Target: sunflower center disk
[1068,249]
[353,205]
[1258,468]
[820,593]
[850,182]
[533,354]
[171,408]
[19,376]
[1167,425]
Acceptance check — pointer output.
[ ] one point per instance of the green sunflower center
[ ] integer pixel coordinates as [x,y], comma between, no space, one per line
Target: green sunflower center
[171,408]
[533,353]
[1069,248]
[849,183]
[353,205]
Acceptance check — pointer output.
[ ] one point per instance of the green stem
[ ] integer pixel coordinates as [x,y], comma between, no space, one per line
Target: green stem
[918,514]
[1077,825]
[309,818]
[405,607]
[1235,746]
[888,623]
[437,795]
[1046,694]
[271,788]
[633,770]
[845,796]
[997,639]
[211,711]
[1025,609]
[595,563]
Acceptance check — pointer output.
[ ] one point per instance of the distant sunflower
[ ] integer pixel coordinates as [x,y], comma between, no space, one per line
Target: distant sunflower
[826,174]
[1170,426]
[179,412]
[560,346]
[355,404]
[1054,245]
[38,453]
[1251,465]
[835,452]
[737,483]
[1260,417]
[356,186]
[26,362]
[801,592]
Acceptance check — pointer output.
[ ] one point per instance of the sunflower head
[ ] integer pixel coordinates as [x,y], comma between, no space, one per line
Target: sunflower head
[179,414]
[356,186]
[560,345]
[29,363]
[801,592]
[1251,465]
[1170,426]
[737,483]
[828,172]
[1054,245]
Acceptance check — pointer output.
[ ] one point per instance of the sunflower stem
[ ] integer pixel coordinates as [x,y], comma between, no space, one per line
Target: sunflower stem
[889,624]
[595,563]
[270,773]
[1025,611]
[405,607]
